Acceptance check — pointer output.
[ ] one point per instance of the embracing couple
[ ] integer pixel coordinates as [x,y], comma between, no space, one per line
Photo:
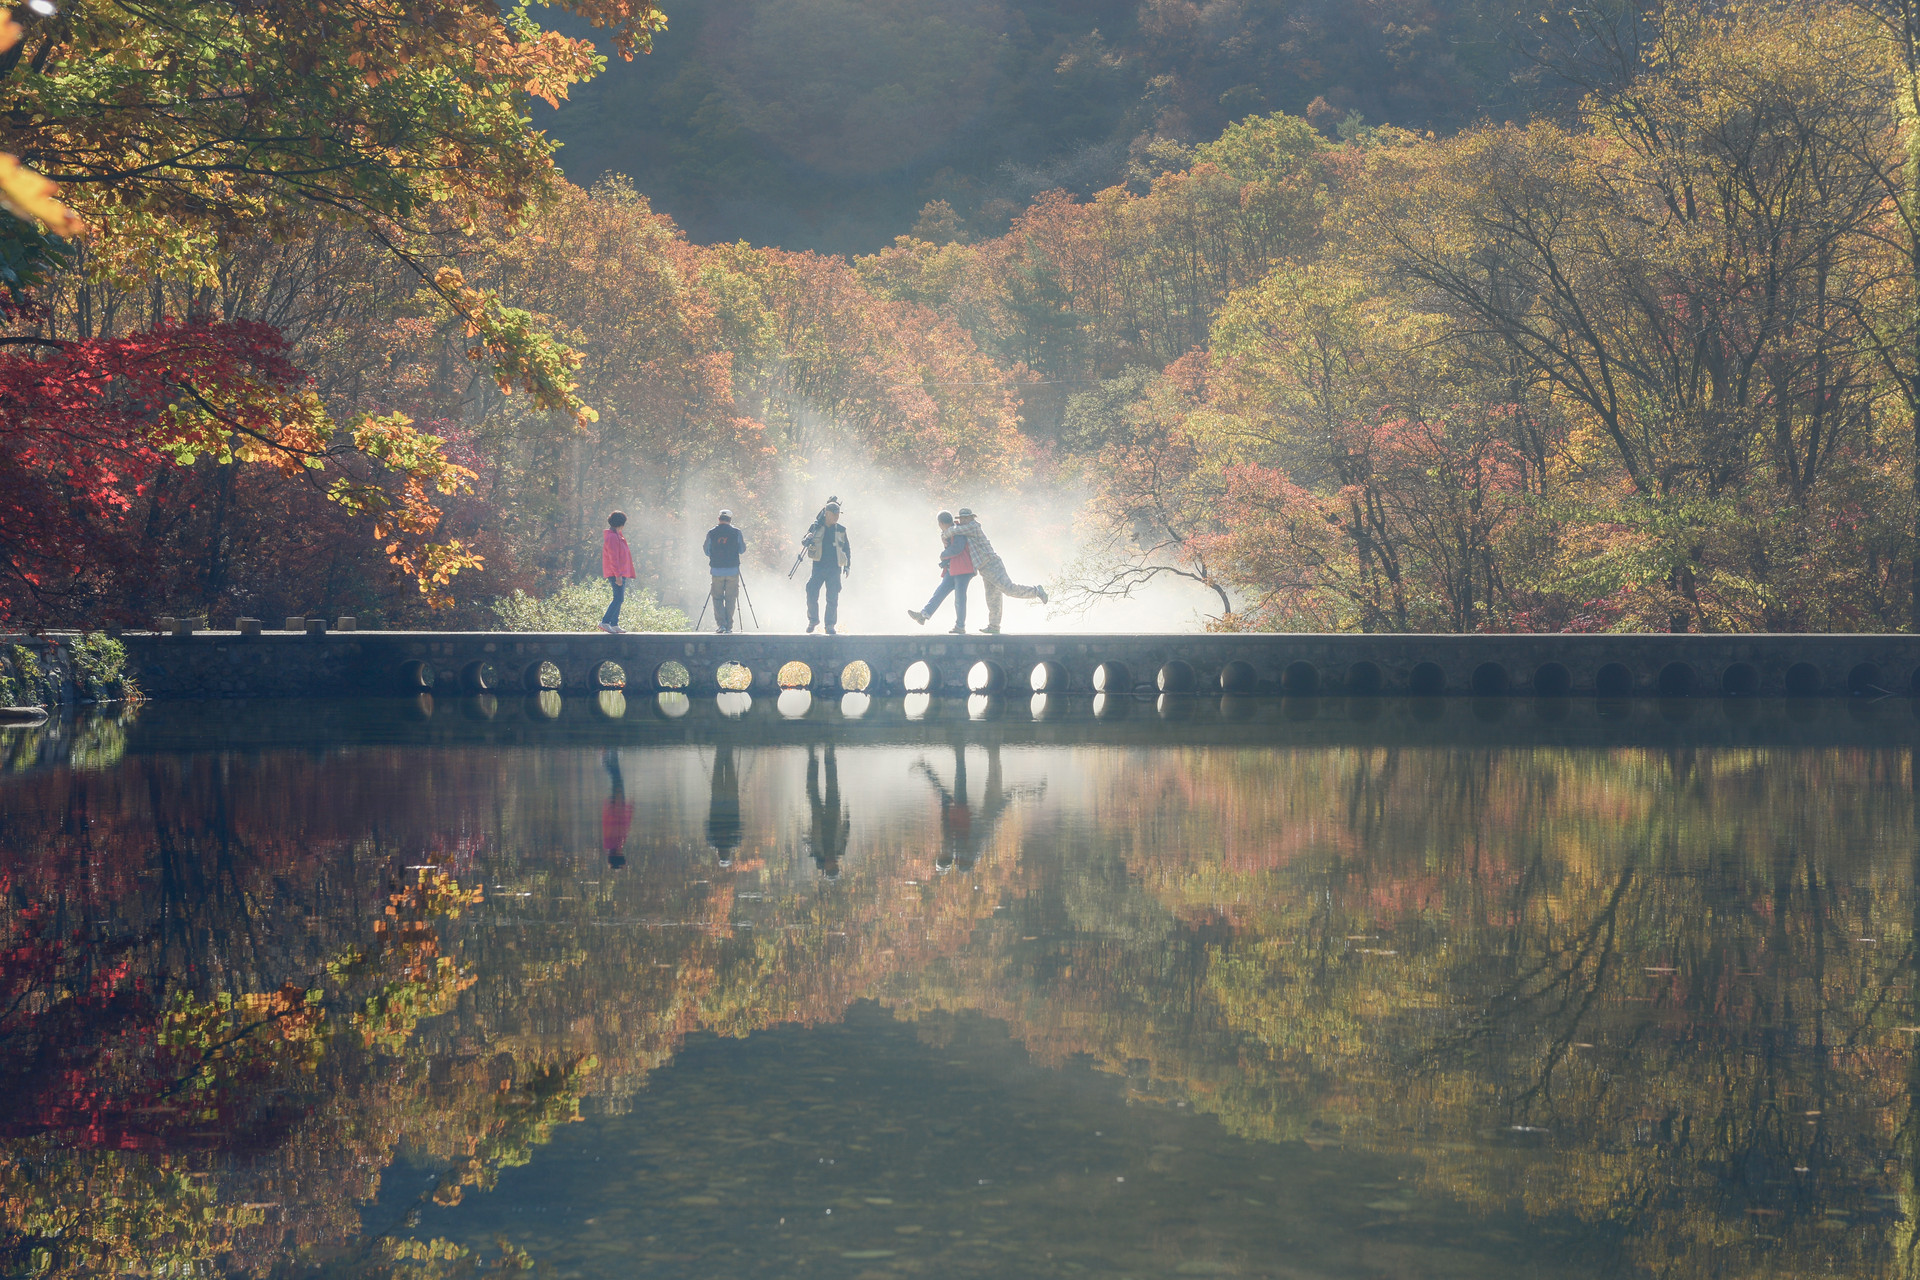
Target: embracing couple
[965,553]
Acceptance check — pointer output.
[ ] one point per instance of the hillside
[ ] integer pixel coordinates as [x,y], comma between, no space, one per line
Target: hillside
[829,124]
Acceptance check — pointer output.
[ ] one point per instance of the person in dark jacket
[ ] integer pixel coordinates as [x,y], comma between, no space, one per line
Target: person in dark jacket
[723,547]
[956,574]
[827,546]
[724,828]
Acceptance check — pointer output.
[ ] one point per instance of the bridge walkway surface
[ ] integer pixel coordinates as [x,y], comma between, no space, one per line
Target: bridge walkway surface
[316,663]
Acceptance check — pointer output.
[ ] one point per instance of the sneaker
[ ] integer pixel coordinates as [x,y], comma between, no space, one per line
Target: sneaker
[811,626]
[958,631]
[989,631]
[917,616]
[609,629]
[831,631]
[1042,593]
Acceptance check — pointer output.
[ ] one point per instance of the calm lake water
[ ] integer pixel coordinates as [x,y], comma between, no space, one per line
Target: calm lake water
[673,988]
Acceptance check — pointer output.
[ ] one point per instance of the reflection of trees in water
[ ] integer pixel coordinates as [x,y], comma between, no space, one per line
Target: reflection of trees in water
[1642,975]
[1628,988]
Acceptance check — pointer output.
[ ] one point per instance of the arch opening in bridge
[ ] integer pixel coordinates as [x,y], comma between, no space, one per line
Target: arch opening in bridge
[1364,679]
[1239,677]
[1175,677]
[1803,680]
[856,676]
[920,677]
[1552,680]
[1864,681]
[1675,681]
[1427,680]
[1047,677]
[610,675]
[672,675]
[479,677]
[540,676]
[1112,677]
[1741,680]
[415,676]
[1300,680]
[1489,680]
[986,677]
[733,677]
[1613,680]
[794,675]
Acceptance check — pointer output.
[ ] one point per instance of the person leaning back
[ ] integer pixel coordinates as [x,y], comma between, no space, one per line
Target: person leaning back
[827,546]
[723,547]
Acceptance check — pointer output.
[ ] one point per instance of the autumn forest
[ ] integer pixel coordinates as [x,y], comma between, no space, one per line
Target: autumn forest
[1608,319]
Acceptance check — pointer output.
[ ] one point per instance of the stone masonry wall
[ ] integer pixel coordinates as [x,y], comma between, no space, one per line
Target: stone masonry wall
[227,664]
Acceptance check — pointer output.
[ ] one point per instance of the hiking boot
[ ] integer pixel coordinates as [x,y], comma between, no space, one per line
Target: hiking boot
[1042,593]
[917,616]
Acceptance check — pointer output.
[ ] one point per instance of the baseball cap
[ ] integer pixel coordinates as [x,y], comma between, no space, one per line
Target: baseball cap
[725,514]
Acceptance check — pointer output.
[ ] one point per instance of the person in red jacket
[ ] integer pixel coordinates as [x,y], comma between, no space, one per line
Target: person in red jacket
[956,575]
[616,566]
[616,816]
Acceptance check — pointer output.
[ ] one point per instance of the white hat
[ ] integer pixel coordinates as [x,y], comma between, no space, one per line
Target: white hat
[725,514]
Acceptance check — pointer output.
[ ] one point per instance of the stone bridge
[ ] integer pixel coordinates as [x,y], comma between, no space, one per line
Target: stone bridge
[214,664]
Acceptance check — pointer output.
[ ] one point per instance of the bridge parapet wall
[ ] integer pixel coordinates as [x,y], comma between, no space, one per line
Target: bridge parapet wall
[229,664]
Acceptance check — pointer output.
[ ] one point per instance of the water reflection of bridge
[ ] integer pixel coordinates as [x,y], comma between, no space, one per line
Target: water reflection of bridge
[225,664]
[1226,722]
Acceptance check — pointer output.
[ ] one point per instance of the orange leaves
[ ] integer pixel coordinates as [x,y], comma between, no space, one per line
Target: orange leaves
[24,193]
[28,196]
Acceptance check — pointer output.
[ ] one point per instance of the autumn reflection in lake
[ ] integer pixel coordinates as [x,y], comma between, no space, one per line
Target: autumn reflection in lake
[1286,990]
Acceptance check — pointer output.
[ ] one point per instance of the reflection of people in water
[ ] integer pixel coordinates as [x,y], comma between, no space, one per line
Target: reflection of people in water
[831,823]
[616,818]
[963,832]
[723,812]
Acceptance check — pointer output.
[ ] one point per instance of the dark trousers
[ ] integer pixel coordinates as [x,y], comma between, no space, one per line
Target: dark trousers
[954,585]
[612,616]
[828,576]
